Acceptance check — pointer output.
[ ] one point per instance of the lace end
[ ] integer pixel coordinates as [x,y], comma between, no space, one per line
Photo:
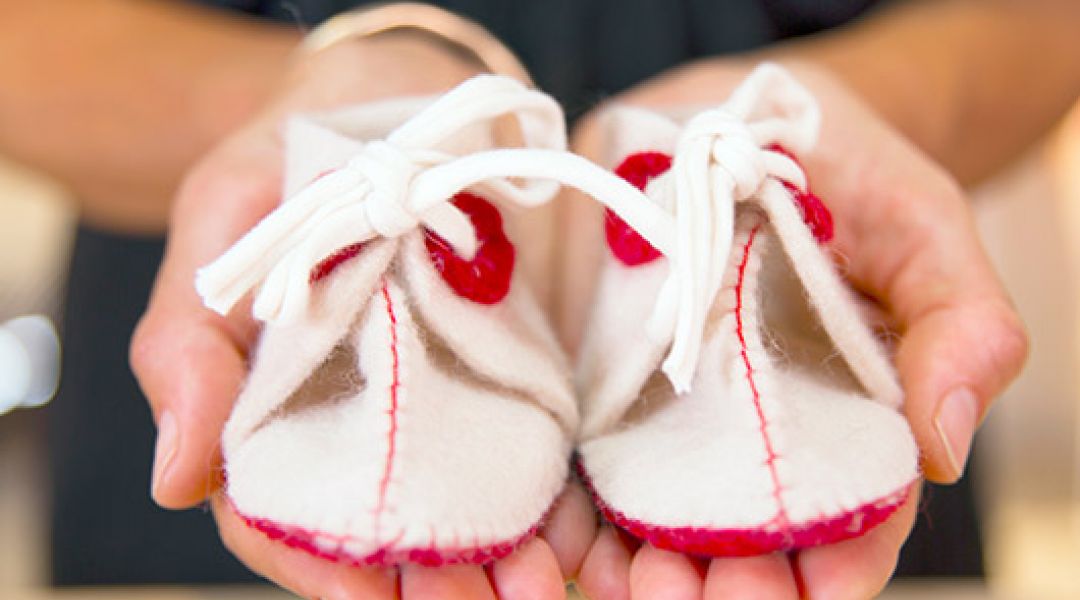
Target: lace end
[210,293]
[680,374]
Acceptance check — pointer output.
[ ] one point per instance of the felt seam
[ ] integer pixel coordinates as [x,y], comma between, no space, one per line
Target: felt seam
[307,540]
[781,519]
[395,384]
[752,541]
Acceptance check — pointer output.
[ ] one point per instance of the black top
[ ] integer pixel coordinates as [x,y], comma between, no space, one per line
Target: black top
[105,529]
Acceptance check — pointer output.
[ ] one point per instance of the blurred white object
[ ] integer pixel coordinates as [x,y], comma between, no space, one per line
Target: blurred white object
[29,362]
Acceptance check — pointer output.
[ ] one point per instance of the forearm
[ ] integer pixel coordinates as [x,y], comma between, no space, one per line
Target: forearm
[970,82]
[116,98]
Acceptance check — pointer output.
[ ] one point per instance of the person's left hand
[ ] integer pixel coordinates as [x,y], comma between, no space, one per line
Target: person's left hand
[904,226]
[192,362]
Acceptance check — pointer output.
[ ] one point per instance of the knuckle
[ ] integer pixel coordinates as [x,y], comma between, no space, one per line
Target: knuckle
[1011,343]
[141,349]
[221,179]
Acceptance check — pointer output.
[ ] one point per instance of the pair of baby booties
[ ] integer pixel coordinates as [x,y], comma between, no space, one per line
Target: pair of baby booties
[409,402]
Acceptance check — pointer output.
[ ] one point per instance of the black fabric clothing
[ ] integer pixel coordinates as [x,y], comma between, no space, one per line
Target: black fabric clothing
[105,527]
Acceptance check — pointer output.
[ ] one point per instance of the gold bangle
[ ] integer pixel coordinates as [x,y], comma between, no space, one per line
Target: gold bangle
[456,31]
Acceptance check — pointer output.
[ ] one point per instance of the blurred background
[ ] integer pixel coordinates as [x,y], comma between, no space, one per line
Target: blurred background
[1028,459]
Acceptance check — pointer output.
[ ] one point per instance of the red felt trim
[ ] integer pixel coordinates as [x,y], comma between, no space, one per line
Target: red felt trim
[395,384]
[388,555]
[781,519]
[327,265]
[753,541]
[626,244]
[486,278]
[814,212]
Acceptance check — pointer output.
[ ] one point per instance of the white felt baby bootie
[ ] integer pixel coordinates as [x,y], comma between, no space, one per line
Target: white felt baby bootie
[735,400]
[407,400]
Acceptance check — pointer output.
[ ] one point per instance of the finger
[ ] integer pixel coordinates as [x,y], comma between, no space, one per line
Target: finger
[295,570]
[962,340]
[530,573]
[860,567]
[766,577]
[453,582]
[191,401]
[605,572]
[656,573]
[190,362]
[571,529]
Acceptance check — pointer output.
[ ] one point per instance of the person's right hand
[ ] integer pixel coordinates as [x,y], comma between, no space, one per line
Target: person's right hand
[909,241]
[191,362]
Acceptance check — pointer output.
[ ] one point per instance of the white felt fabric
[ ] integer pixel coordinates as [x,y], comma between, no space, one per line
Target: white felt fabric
[700,459]
[469,468]
[391,187]
[443,444]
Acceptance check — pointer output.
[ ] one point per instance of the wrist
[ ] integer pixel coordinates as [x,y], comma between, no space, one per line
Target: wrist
[360,69]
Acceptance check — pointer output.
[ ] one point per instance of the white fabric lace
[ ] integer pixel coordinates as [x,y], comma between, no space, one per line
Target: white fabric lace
[398,184]
[723,158]
[403,182]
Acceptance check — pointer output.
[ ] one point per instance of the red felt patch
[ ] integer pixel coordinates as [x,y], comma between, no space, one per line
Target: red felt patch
[814,212]
[486,278]
[625,243]
[753,541]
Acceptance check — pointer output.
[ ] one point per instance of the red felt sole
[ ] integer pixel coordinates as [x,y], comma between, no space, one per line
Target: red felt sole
[754,541]
[387,556]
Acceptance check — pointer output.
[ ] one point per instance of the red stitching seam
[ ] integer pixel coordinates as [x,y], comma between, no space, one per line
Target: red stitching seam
[384,484]
[781,518]
[387,555]
[752,541]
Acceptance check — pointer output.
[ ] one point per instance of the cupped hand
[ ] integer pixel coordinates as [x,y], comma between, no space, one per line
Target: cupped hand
[904,237]
[191,362]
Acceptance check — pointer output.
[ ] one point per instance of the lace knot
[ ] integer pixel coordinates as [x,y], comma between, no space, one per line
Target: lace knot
[389,171]
[734,150]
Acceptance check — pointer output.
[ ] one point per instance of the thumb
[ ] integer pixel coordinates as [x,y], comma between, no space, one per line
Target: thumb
[962,341]
[954,359]
[189,361]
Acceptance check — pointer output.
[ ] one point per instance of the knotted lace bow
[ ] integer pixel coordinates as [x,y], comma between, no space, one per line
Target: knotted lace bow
[722,158]
[391,187]
[395,185]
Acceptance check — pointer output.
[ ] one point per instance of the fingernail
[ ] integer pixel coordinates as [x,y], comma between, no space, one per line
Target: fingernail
[165,450]
[955,424]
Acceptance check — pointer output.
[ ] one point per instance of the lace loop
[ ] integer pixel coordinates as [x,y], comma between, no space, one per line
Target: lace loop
[373,195]
[395,185]
[721,159]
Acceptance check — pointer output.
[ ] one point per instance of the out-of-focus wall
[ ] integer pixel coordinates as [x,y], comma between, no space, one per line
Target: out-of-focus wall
[1030,445]
[35,226]
[35,231]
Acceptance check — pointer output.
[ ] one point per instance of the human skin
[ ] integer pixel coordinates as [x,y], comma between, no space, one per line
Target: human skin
[957,331]
[93,106]
[191,362]
[116,99]
[915,101]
